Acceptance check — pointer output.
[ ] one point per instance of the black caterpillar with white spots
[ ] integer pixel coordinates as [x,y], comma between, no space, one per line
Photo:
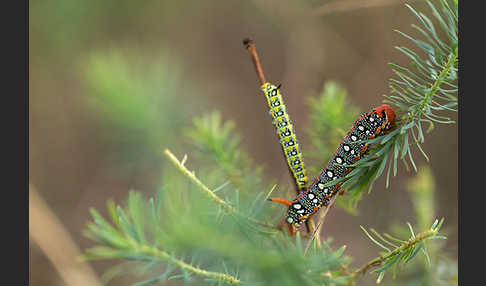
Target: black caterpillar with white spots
[371,124]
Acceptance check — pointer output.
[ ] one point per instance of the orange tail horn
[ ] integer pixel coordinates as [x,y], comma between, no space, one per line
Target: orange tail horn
[281,201]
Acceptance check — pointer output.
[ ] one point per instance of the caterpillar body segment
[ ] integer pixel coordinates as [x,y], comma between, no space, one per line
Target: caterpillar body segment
[377,122]
[286,133]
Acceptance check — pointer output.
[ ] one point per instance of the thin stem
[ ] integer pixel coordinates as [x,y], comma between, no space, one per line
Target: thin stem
[320,222]
[311,228]
[250,46]
[154,252]
[406,245]
[195,180]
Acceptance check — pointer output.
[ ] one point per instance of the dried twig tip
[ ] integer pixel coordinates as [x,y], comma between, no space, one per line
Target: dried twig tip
[247,42]
[250,46]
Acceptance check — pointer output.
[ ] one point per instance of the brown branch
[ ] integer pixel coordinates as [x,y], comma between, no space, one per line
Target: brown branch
[320,221]
[49,234]
[250,46]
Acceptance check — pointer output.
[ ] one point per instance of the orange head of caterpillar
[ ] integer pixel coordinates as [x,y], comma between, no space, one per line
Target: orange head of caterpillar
[387,111]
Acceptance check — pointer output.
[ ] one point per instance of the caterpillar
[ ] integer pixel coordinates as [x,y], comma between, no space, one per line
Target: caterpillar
[281,121]
[370,125]
[285,132]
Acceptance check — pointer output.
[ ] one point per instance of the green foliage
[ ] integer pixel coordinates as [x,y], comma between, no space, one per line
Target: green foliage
[217,144]
[436,268]
[121,93]
[228,247]
[399,251]
[189,232]
[429,85]
[225,234]
[133,96]
[441,270]
[330,113]
[426,87]
[422,190]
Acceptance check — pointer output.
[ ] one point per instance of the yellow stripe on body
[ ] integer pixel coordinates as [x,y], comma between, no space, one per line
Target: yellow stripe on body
[286,133]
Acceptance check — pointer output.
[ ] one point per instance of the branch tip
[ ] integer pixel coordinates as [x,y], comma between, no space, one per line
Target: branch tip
[250,46]
[247,42]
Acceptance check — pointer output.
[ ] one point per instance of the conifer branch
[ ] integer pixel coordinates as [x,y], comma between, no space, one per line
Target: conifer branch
[155,252]
[207,191]
[156,233]
[428,86]
[406,251]
[125,241]
[192,176]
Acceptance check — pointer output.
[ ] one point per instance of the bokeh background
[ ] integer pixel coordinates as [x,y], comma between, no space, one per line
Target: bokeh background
[113,82]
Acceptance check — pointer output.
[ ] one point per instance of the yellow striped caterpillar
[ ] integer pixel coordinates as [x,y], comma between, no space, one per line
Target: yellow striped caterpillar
[371,124]
[281,122]
[286,133]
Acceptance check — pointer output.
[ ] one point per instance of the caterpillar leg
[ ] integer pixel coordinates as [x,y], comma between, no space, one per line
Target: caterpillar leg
[291,229]
[282,225]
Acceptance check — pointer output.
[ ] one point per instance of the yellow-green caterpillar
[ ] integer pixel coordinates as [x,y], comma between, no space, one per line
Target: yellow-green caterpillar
[285,132]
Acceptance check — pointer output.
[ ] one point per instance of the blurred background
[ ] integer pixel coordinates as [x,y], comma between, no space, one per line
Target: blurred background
[113,83]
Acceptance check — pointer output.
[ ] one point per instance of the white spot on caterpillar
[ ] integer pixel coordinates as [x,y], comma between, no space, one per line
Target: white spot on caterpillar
[354,138]
[311,195]
[346,148]
[371,119]
[315,201]
[321,186]
[330,174]
[301,211]
[360,127]
[290,220]
[352,152]
[339,160]
[297,206]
